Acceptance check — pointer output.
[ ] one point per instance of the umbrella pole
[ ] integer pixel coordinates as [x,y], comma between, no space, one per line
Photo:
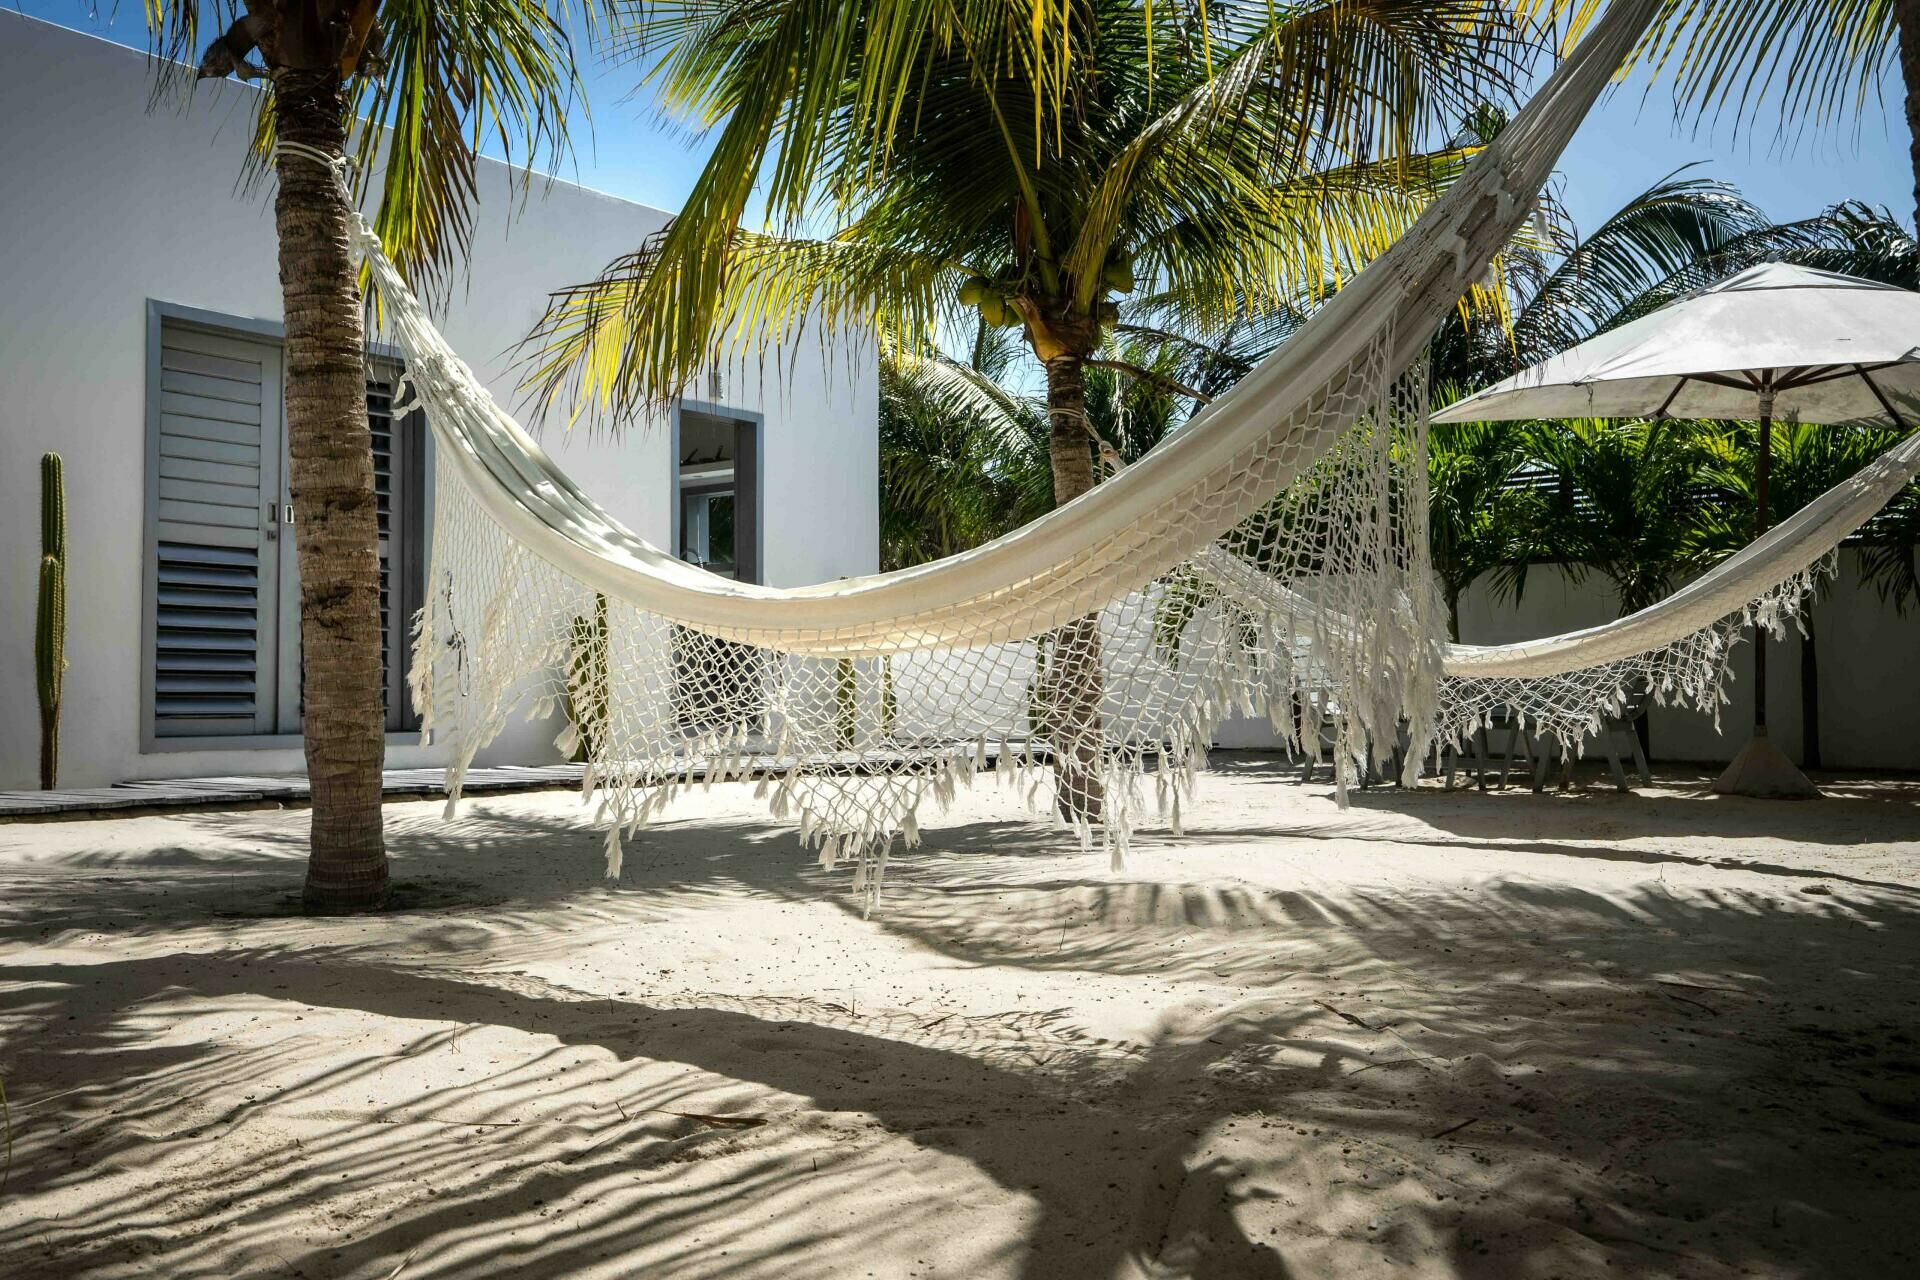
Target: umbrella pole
[1760,769]
[1762,476]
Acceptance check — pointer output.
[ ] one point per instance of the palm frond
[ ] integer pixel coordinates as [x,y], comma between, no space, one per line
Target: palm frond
[808,94]
[1808,61]
[942,386]
[961,460]
[454,77]
[621,340]
[1666,230]
[1241,155]
[460,74]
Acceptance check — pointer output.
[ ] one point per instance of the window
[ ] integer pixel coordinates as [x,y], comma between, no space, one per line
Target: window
[716,500]
[222,653]
[717,474]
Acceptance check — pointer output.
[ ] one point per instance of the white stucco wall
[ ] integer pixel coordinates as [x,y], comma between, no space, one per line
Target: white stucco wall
[106,204]
[1869,661]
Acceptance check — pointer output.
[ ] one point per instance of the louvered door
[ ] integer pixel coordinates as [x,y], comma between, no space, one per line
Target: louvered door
[223,652]
[399,444]
[217,459]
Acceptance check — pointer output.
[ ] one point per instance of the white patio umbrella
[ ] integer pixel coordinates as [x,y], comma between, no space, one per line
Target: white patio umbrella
[1774,341]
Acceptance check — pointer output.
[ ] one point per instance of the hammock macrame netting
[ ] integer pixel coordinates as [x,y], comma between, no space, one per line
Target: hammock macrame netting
[1270,557]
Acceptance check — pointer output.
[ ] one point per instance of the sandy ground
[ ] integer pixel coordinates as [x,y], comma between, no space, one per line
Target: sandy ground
[1435,1035]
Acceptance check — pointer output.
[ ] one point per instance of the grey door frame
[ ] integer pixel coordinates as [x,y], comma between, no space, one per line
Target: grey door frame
[749,474]
[157,312]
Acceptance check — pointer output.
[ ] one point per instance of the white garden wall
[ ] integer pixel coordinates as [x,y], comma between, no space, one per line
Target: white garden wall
[106,204]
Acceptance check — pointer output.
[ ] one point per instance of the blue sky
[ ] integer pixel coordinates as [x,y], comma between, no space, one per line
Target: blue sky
[1627,145]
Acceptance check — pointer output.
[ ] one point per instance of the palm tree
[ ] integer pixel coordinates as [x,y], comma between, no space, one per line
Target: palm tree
[963,459]
[1823,58]
[1625,497]
[1806,462]
[1890,558]
[1683,233]
[425,80]
[1483,518]
[1034,166]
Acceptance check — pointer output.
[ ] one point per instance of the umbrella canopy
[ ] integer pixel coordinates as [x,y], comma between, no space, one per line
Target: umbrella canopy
[1774,342]
[1835,349]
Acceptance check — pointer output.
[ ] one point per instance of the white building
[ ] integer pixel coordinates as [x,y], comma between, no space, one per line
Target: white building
[139,328]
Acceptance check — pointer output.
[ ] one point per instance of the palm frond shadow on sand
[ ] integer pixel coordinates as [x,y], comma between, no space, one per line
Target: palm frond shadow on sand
[1619,1072]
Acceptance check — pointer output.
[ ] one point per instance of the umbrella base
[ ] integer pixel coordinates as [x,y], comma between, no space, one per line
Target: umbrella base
[1762,769]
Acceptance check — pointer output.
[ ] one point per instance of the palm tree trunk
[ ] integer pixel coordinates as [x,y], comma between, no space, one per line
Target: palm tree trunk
[1809,694]
[1076,680]
[330,468]
[1453,613]
[1906,16]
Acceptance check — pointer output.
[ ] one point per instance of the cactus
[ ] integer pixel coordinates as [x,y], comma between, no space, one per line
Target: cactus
[889,701]
[50,623]
[588,680]
[847,696]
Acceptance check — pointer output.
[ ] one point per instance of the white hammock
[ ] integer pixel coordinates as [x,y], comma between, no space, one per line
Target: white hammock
[1269,557]
[1231,459]
[1674,651]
